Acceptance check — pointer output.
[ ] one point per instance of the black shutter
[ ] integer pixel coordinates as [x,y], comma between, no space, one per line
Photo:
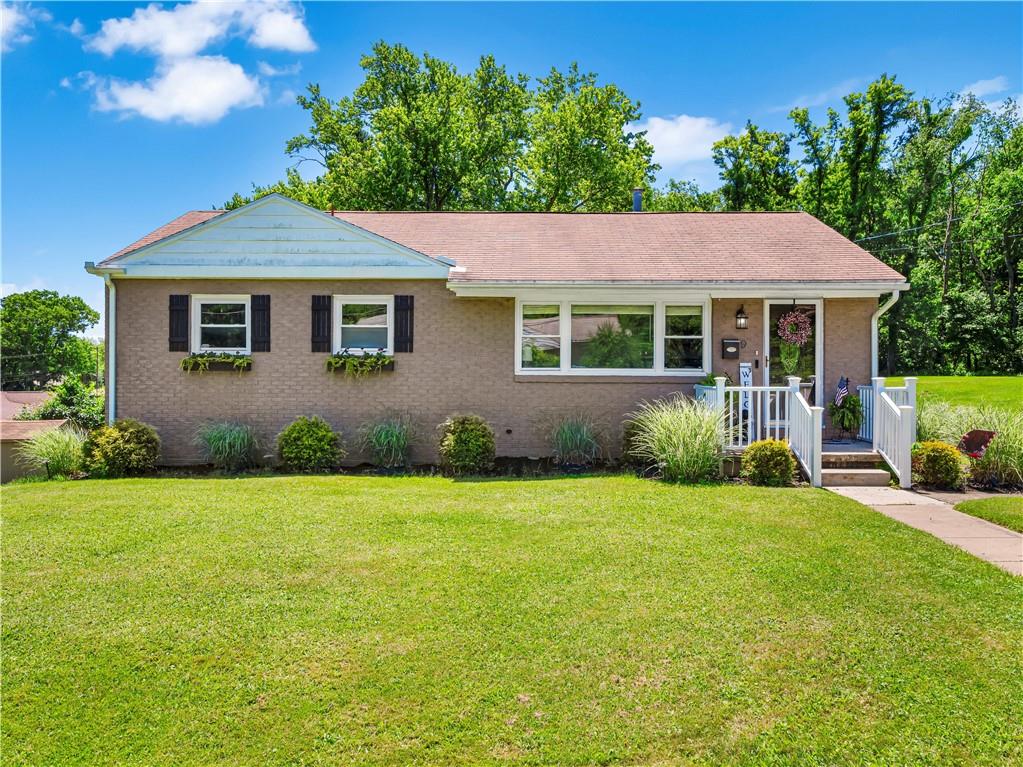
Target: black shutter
[321,323]
[178,326]
[404,322]
[261,323]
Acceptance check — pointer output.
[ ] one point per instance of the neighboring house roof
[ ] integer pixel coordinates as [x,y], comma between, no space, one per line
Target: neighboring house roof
[16,431]
[14,402]
[611,247]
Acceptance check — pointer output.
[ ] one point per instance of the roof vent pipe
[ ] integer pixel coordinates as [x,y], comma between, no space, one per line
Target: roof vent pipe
[637,200]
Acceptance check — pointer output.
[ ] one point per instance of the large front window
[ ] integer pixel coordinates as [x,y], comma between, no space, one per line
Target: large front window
[220,324]
[612,338]
[364,323]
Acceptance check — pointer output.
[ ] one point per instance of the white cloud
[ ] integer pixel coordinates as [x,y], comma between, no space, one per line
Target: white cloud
[287,97]
[195,90]
[269,70]
[188,28]
[682,139]
[983,88]
[77,28]
[18,23]
[821,98]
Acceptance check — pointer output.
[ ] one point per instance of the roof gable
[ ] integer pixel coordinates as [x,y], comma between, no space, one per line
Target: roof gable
[276,235]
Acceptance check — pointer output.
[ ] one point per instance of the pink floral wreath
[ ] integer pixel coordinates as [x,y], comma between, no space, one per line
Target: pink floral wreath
[795,328]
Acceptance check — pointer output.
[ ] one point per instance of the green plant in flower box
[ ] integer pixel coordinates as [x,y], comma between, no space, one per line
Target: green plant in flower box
[359,365]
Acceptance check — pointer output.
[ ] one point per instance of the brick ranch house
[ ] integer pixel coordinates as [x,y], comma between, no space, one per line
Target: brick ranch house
[514,316]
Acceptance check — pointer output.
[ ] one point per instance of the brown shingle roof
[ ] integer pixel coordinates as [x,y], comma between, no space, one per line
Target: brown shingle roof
[15,431]
[611,247]
[13,402]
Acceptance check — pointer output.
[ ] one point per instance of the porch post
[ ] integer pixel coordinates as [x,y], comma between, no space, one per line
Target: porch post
[719,383]
[878,386]
[907,415]
[817,437]
[911,401]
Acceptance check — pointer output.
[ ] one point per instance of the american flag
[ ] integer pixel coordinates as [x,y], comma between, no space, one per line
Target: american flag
[843,390]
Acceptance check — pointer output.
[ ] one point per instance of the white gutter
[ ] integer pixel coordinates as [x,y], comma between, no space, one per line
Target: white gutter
[111,335]
[873,330]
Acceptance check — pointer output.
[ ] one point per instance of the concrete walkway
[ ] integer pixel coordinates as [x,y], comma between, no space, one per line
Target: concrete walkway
[983,539]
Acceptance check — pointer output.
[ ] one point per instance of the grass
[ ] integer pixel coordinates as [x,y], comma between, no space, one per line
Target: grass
[590,620]
[1006,511]
[994,391]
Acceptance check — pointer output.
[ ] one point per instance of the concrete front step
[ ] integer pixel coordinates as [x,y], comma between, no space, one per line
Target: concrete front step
[846,477]
[850,460]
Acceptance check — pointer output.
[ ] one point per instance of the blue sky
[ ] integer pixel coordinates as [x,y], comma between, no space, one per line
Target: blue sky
[116,119]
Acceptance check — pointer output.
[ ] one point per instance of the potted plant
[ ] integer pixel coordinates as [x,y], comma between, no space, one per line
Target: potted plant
[847,415]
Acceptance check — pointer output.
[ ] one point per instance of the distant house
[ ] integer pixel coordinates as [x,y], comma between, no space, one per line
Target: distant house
[13,433]
[518,317]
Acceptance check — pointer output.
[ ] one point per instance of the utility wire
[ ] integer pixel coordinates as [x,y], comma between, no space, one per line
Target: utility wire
[936,223]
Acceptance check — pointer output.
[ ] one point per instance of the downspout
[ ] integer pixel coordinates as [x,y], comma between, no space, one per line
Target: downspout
[873,330]
[111,382]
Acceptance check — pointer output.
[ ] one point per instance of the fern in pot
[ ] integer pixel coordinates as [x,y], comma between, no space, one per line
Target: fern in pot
[846,416]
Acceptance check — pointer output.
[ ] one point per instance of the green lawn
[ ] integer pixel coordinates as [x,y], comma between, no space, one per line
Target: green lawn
[588,620]
[1007,511]
[997,391]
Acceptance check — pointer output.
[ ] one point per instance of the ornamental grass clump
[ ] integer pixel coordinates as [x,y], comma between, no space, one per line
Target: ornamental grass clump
[682,437]
[309,445]
[389,440]
[58,452]
[228,446]
[577,440]
[1002,462]
[467,445]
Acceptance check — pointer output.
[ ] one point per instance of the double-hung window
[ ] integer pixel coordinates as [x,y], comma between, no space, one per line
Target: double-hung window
[612,338]
[364,324]
[221,324]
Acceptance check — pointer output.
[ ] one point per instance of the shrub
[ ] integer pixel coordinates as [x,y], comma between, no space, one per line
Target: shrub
[389,440]
[1002,463]
[576,440]
[72,399]
[939,464]
[58,452]
[682,437]
[768,462]
[467,444]
[228,446]
[127,447]
[309,444]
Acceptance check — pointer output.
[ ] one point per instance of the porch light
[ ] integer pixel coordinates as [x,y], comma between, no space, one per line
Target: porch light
[741,318]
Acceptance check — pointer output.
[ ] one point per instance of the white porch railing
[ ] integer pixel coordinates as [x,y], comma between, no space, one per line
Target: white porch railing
[752,413]
[894,426]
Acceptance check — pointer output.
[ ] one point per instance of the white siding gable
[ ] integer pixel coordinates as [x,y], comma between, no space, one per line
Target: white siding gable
[277,237]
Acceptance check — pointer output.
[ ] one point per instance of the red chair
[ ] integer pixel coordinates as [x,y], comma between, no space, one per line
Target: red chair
[975,443]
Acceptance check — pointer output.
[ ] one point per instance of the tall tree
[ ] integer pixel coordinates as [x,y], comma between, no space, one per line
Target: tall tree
[756,171]
[39,339]
[816,191]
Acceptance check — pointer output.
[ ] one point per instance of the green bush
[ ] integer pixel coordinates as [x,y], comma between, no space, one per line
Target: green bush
[1002,463]
[940,465]
[467,445]
[577,439]
[309,444]
[768,462]
[126,448]
[228,446]
[73,399]
[681,436]
[388,440]
[58,452]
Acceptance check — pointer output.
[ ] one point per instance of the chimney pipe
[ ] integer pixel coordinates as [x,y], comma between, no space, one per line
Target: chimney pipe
[637,200]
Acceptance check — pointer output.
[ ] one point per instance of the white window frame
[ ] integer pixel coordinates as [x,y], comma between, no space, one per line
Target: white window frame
[337,305]
[196,327]
[565,322]
[702,337]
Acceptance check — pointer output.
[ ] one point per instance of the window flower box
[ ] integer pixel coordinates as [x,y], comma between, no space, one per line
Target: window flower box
[359,364]
[202,362]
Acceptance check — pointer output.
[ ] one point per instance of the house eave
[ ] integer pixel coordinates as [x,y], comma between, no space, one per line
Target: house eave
[256,272]
[715,289]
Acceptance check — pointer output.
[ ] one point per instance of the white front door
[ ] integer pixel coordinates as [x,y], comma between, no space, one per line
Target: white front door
[794,345]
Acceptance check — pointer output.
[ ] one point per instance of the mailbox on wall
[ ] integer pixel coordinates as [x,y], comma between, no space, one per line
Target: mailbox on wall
[729,348]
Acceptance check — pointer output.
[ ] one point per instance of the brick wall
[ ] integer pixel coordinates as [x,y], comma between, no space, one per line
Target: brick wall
[463,362]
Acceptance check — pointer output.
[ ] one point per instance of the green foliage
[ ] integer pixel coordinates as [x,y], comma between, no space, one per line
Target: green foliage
[228,446]
[768,462]
[309,445]
[200,362]
[126,448]
[39,339]
[848,416]
[389,440]
[630,447]
[73,399]
[613,346]
[1002,463]
[58,452]
[358,365]
[756,170]
[577,439]
[467,445]
[681,437]
[939,465]
[681,197]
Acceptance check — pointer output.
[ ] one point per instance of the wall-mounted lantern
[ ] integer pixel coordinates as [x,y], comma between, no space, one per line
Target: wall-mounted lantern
[741,318]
